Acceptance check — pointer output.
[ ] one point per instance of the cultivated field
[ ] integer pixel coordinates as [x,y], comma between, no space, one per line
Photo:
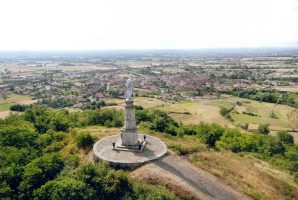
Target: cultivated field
[280,117]
[12,100]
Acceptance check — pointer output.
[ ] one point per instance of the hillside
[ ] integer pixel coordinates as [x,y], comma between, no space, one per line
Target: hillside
[52,147]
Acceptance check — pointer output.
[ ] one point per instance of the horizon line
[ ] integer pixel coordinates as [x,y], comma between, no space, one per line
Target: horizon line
[150,49]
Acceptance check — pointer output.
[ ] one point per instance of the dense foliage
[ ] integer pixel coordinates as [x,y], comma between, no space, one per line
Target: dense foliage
[34,166]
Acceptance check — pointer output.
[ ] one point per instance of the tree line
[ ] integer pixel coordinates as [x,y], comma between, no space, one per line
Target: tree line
[273,96]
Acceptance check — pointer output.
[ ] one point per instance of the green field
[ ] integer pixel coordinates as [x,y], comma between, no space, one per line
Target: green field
[194,112]
[278,116]
[14,99]
[207,111]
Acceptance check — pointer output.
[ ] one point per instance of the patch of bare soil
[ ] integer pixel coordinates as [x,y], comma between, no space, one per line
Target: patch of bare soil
[4,114]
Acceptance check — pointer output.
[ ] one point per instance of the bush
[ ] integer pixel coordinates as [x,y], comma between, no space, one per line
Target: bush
[285,137]
[264,129]
[148,192]
[249,113]
[211,138]
[244,126]
[84,140]
[179,149]
[225,111]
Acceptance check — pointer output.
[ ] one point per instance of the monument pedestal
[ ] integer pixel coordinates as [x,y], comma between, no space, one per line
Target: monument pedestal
[129,135]
[139,147]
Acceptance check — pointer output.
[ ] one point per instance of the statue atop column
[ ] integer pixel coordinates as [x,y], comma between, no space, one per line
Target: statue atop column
[129,89]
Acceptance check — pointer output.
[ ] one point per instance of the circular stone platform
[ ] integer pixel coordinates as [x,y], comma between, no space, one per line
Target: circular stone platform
[103,150]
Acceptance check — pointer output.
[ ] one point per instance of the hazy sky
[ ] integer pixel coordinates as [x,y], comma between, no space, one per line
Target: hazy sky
[146,24]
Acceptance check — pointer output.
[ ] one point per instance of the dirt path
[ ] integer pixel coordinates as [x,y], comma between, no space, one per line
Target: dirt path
[200,180]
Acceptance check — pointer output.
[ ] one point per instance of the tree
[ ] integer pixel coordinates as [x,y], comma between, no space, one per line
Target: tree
[40,117]
[159,124]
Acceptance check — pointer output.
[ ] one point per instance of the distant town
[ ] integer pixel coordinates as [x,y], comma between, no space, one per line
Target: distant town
[68,81]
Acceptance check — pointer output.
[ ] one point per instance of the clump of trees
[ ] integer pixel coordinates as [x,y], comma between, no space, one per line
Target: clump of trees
[157,120]
[57,103]
[271,96]
[96,105]
[19,107]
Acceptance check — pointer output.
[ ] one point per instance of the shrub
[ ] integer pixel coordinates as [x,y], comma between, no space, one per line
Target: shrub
[225,111]
[244,126]
[84,140]
[146,192]
[264,129]
[211,138]
[285,137]
[249,113]
[179,149]
[272,147]
[172,130]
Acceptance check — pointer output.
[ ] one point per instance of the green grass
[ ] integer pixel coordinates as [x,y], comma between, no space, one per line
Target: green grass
[12,100]
[262,110]
[248,175]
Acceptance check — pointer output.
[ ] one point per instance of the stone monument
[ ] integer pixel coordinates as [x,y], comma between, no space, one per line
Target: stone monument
[129,148]
[129,135]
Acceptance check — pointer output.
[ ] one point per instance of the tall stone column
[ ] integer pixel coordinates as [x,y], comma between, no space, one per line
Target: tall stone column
[129,130]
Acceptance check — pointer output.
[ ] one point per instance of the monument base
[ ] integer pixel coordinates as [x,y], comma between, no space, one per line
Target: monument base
[139,147]
[129,137]
[128,159]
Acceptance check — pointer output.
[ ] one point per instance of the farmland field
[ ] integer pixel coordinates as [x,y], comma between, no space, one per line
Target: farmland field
[280,117]
[12,100]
